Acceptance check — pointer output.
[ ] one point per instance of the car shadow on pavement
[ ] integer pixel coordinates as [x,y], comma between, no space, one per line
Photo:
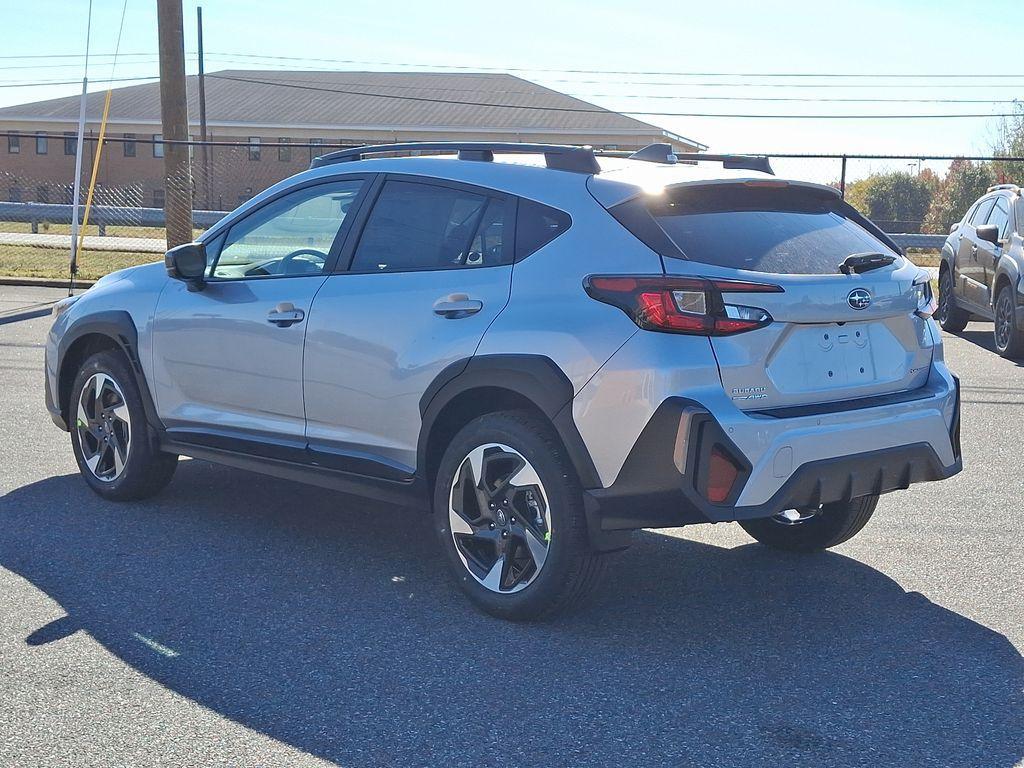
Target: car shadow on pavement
[329,623]
[985,340]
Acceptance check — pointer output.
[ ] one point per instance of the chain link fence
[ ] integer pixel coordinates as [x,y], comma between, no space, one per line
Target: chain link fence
[126,221]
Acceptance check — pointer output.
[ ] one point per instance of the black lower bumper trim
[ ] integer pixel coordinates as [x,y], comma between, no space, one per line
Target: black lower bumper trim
[656,488]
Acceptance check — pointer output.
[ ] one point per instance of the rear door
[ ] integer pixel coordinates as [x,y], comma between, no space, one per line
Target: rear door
[431,269]
[833,336]
[969,268]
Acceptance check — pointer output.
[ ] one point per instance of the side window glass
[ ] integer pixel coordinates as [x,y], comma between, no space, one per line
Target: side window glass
[289,237]
[537,225]
[422,226]
[981,213]
[1000,216]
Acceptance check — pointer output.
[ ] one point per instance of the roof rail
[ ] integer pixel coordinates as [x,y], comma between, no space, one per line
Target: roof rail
[994,187]
[663,153]
[560,157]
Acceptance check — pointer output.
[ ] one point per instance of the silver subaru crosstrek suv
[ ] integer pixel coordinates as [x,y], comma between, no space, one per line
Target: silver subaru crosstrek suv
[545,347]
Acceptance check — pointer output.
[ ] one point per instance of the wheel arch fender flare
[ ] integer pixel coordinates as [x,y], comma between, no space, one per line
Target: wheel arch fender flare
[118,326]
[537,378]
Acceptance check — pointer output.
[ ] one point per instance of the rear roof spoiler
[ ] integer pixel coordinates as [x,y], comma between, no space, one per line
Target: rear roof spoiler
[663,153]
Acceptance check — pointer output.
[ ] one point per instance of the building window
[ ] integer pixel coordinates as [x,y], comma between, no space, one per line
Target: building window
[158,146]
[14,194]
[158,198]
[129,146]
[13,144]
[42,194]
[70,143]
[284,154]
[41,143]
[254,147]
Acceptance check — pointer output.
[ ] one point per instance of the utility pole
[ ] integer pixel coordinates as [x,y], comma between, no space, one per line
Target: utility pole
[174,117]
[203,134]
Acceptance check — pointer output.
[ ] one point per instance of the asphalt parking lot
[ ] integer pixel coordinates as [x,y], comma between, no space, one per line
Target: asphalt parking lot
[245,621]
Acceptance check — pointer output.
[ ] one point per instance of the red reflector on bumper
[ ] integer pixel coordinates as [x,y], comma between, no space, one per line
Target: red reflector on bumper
[722,474]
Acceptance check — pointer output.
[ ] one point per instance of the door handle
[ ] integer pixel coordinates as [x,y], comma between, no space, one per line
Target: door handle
[285,314]
[457,305]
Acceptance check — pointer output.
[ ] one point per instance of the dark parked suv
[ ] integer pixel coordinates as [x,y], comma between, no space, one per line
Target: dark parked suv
[979,274]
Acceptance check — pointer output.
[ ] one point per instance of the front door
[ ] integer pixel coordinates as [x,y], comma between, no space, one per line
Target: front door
[432,269]
[228,358]
[989,253]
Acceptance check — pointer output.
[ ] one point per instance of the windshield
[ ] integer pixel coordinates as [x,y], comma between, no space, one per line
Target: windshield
[785,231]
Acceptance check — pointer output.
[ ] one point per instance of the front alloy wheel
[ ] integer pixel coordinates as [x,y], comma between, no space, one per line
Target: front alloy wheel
[499,518]
[104,427]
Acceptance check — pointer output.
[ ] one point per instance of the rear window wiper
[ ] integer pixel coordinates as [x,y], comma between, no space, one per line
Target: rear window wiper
[856,263]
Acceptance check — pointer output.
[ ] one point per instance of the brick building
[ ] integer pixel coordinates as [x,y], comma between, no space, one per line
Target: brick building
[254,109]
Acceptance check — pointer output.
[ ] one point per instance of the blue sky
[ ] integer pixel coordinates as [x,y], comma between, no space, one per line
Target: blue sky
[751,37]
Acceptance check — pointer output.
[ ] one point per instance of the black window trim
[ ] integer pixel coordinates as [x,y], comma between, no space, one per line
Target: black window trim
[344,265]
[981,204]
[224,226]
[1008,211]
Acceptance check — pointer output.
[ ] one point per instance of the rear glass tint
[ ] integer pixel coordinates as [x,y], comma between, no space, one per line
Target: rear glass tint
[764,230]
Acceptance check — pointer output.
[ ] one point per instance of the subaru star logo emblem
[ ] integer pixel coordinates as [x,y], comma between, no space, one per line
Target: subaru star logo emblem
[859,298]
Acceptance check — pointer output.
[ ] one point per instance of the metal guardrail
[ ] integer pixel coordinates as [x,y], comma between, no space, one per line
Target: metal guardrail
[919,241]
[101,215]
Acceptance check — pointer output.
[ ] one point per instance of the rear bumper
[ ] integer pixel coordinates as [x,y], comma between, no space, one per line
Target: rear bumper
[660,484]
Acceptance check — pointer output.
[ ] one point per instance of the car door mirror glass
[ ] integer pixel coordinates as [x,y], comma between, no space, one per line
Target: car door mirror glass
[988,232]
[187,263]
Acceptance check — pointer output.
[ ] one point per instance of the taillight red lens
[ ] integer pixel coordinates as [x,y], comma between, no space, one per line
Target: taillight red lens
[681,304]
[722,474]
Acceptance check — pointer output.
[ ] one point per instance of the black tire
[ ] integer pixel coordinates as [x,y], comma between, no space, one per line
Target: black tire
[832,525]
[951,318]
[1008,338]
[571,569]
[145,471]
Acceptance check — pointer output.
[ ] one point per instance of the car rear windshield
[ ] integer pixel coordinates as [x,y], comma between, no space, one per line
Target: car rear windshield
[786,231]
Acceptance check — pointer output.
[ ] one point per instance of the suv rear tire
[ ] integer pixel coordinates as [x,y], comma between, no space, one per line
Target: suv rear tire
[951,318]
[110,435]
[1009,340]
[518,555]
[827,527]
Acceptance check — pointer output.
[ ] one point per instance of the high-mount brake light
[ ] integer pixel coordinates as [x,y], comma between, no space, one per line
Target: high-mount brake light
[693,305]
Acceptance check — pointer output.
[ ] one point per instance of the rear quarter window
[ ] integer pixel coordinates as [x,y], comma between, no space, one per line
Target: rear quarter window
[537,225]
[784,231]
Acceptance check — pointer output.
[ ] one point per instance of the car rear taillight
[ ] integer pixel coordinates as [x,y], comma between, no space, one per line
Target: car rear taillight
[681,304]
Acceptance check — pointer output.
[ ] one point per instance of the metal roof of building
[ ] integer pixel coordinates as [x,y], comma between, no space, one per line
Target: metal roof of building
[358,101]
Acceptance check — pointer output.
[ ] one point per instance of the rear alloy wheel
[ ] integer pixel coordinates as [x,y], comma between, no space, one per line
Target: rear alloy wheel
[951,318]
[1008,338]
[509,516]
[115,451]
[499,518]
[807,530]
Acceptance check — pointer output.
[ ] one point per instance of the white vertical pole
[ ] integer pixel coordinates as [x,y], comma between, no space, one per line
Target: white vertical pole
[78,156]
[75,217]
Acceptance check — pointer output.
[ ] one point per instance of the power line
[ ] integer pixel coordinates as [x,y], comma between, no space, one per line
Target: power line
[598,110]
[871,75]
[666,73]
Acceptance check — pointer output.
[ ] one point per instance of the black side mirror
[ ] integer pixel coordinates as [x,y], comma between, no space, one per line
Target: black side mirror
[187,263]
[988,232]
